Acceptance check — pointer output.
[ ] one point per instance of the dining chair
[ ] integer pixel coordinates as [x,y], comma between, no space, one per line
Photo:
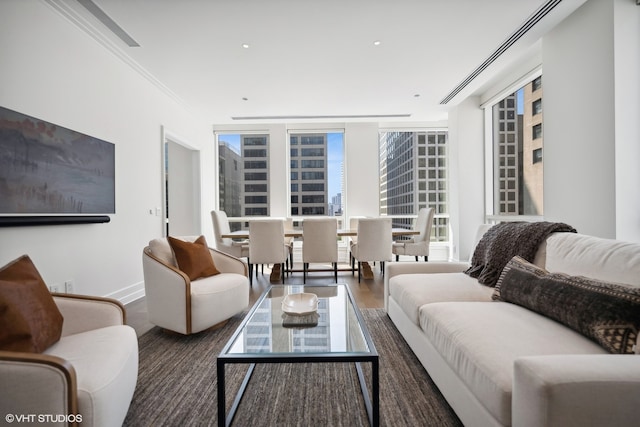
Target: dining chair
[353,225]
[319,243]
[374,243]
[417,245]
[227,245]
[288,241]
[266,245]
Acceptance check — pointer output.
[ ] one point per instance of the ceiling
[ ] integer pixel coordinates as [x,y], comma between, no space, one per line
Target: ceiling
[316,61]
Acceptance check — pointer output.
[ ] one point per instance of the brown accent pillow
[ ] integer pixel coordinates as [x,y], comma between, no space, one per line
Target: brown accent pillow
[29,317]
[194,259]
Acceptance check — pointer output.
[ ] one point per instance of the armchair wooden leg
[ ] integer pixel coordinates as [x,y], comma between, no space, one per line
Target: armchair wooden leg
[416,258]
[397,257]
[335,271]
[359,271]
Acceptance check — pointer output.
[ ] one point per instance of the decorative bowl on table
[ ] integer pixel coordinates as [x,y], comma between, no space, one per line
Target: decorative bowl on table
[300,304]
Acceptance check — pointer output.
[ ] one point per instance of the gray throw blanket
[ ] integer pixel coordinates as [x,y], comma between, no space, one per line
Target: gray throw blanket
[505,240]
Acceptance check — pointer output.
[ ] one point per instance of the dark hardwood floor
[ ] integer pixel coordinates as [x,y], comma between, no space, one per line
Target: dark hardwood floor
[369,293]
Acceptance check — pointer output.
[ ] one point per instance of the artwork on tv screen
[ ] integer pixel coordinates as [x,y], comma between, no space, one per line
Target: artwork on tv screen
[48,169]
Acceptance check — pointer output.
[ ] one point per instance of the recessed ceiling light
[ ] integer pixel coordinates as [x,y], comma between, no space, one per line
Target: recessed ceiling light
[417,95]
[376,43]
[244,98]
[245,45]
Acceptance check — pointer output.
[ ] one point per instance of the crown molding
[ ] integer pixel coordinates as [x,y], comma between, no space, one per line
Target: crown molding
[69,13]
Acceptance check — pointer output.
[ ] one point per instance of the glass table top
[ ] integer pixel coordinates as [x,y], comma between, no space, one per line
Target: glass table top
[335,328]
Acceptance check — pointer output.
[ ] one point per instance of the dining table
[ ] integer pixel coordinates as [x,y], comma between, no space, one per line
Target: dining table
[367,273]
[396,232]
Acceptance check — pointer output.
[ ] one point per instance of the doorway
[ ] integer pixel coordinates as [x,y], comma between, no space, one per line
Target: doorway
[181,187]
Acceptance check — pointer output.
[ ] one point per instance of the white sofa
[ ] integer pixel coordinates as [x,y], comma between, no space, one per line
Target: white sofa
[89,375]
[499,364]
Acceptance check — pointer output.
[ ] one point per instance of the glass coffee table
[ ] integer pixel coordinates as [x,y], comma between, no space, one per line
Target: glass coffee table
[335,332]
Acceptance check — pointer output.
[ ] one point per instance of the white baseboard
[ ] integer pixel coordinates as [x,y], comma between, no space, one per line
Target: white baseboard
[128,294]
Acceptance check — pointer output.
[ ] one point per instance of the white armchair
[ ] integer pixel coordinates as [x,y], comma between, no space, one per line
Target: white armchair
[89,375]
[188,306]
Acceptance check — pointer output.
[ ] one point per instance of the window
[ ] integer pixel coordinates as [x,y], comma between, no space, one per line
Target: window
[316,173]
[537,155]
[536,131]
[537,106]
[517,151]
[413,175]
[243,174]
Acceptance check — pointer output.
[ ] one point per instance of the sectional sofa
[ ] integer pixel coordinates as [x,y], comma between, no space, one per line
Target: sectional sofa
[535,349]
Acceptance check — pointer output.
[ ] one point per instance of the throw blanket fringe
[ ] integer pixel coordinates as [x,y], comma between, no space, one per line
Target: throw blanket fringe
[505,240]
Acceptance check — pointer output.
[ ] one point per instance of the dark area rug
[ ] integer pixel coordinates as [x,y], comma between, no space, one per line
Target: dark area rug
[177,385]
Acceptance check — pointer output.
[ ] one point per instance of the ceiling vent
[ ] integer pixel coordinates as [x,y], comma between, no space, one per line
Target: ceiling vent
[347,116]
[95,10]
[517,35]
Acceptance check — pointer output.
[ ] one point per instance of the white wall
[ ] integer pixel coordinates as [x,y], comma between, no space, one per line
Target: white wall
[466,175]
[579,121]
[53,71]
[627,118]
[362,170]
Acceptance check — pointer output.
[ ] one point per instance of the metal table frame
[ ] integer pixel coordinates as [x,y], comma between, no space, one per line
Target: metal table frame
[372,403]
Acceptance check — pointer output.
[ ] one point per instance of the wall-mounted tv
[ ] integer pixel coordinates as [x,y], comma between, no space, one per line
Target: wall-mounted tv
[51,172]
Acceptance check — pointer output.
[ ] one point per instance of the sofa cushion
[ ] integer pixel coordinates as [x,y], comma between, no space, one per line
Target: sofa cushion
[193,258]
[594,257]
[481,341]
[30,319]
[106,365]
[411,291]
[608,313]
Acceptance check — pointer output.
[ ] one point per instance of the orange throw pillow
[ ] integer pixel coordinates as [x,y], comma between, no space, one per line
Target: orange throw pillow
[29,317]
[194,259]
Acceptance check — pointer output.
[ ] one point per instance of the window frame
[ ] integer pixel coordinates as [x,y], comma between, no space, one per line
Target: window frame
[302,131]
[487,106]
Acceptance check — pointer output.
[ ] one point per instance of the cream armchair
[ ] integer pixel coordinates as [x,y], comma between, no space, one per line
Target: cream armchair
[88,376]
[179,304]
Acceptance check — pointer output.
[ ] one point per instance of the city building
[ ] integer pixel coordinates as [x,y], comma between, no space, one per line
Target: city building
[309,178]
[413,175]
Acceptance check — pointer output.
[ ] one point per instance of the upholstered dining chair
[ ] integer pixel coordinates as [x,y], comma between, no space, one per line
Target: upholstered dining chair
[266,245]
[319,244]
[374,243]
[417,245]
[225,244]
[353,225]
[180,301]
[288,242]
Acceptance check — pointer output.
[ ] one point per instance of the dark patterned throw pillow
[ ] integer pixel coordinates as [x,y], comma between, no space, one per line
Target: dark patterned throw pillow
[608,313]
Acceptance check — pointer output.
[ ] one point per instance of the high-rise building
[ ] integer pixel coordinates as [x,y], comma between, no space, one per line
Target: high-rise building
[413,175]
[335,207]
[309,180]
[532,142]
[255,194]
[517,136]
[230,176]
